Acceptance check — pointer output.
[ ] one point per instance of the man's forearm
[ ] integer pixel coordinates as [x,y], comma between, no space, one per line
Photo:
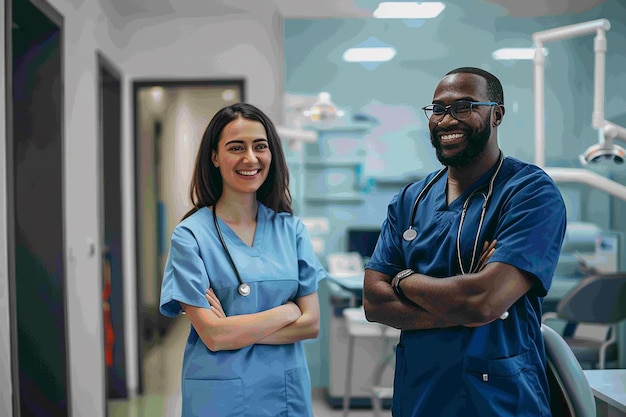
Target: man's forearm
[440,297]
[383,306]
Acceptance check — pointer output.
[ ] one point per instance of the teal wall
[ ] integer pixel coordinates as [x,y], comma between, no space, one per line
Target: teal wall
[465,34]
[395,148]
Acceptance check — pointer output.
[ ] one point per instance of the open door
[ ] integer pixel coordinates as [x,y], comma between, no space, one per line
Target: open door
[169,119]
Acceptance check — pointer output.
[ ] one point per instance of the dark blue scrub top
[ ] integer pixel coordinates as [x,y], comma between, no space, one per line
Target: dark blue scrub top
[497,369]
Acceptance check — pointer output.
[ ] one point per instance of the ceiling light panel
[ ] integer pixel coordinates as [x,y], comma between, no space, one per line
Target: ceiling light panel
[372,54]
[506,54]
[408,10]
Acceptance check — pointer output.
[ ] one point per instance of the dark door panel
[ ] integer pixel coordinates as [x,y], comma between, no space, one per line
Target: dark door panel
[36,216]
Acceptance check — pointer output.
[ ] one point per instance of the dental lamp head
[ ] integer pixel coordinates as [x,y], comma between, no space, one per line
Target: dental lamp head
[604,151]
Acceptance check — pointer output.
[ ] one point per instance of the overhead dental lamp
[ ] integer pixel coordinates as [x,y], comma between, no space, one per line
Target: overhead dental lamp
[605,149]
[601,152]
[323,110]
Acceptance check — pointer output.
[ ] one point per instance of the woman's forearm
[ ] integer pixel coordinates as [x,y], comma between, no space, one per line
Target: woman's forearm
[301,329]
[236,332]
[306,327]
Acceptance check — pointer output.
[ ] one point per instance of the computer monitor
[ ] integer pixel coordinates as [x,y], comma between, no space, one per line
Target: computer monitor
[363,241]
[609,253]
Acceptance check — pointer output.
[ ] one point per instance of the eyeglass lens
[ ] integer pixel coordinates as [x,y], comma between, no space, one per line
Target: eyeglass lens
[459,110]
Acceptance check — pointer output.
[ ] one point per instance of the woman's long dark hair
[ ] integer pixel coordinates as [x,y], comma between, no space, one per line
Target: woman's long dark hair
[206,183]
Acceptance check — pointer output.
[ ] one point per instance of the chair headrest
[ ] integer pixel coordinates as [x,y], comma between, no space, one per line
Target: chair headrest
[596,299]
[569,375]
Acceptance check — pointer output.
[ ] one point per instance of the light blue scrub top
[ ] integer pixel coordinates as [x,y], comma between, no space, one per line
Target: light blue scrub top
[498,369]
[257,380]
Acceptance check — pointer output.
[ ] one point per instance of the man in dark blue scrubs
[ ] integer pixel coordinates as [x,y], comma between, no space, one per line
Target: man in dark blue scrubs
[471,344]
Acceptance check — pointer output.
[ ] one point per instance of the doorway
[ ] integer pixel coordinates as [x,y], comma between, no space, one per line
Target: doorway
[110,121]
[169,119]
[35,208]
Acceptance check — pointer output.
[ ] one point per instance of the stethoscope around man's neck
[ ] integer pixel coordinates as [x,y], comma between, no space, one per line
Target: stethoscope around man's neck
[410,233]
[244,289]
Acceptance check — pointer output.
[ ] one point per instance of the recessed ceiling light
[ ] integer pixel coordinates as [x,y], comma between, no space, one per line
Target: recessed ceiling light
[408,10]
[157,93]
[504,54]
[229,94]
[369,54]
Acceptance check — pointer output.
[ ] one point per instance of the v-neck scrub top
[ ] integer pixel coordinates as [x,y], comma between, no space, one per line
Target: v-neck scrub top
[257,380]
[497,369]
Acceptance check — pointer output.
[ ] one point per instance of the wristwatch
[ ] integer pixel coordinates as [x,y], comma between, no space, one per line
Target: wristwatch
[399,277]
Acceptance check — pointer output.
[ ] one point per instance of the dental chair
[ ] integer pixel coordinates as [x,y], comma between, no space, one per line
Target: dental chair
[570,393]
[599,303]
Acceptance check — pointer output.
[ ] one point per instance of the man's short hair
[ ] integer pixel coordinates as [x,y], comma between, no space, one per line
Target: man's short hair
[494,87]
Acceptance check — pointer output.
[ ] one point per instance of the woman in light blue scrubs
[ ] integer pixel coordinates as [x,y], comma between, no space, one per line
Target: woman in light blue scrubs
[242,268]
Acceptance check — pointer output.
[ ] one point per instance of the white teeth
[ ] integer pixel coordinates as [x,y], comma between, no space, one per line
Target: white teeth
[452,136]
[249,173]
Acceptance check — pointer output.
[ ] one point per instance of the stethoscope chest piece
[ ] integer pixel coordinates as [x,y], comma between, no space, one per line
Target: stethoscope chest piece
[244,289]
[409,234]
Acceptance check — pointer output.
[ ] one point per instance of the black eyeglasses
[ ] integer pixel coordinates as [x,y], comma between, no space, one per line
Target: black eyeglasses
[460,110]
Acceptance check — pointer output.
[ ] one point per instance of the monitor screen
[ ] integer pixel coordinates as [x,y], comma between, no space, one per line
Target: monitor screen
[363,241]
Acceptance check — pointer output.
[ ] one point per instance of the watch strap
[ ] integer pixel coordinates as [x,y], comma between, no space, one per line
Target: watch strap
[399,277]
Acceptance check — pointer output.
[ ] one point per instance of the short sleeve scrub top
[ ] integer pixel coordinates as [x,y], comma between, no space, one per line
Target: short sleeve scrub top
[257,380]
[497,369]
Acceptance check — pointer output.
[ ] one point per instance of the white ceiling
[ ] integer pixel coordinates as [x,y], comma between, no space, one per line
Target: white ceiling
[128,10]
[349,8]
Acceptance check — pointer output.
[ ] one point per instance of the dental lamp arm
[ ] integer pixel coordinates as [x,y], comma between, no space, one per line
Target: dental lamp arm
[571,31]
[612,131]
[599,26]
[590,178]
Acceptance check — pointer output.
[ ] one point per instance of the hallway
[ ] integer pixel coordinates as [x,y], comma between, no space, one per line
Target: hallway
[162,383]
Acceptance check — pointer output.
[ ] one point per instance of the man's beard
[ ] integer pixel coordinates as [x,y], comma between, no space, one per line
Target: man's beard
[475,145]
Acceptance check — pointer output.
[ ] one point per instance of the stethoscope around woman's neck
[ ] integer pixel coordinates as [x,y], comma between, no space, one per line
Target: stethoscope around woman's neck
[410,233]
[244,289]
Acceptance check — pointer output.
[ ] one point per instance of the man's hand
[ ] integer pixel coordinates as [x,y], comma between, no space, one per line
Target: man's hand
[488,250]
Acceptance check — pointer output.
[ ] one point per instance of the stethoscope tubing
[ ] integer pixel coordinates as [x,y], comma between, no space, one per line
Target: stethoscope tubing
[243,289]
[410,234]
